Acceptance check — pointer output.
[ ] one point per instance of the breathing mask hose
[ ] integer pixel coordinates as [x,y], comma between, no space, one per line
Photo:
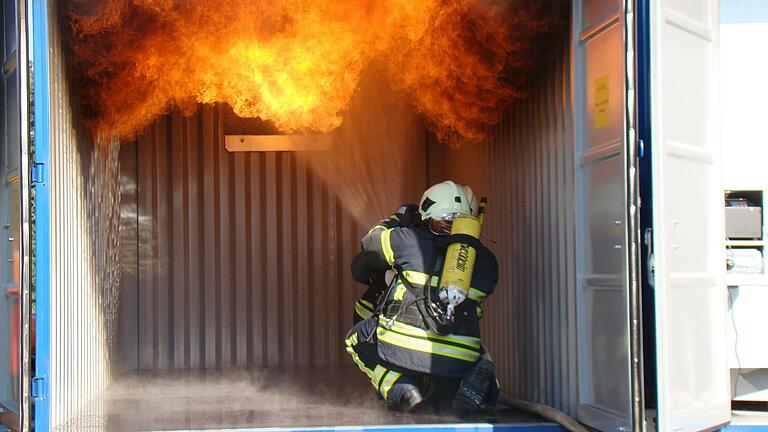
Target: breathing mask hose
[460,261]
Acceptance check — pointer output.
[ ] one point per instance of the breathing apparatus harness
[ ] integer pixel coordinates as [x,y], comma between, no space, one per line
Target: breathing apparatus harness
[461,248]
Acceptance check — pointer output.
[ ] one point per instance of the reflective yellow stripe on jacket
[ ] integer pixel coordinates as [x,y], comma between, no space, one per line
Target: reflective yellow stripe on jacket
[386,246]
[420,278]
[465,348]
[409,330]
[364,308]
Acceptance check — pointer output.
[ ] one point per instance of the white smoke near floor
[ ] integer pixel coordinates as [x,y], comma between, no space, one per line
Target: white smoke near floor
[311,396]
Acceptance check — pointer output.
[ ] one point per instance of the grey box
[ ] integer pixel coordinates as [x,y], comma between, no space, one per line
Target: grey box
[744,222]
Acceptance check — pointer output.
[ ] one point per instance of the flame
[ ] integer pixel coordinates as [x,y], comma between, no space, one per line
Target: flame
[297,63]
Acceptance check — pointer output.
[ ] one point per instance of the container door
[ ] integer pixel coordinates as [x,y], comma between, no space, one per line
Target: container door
[42,326]
[10,265]
[600,114]
[691,297]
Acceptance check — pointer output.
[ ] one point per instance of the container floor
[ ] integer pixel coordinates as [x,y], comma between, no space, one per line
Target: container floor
[267,398]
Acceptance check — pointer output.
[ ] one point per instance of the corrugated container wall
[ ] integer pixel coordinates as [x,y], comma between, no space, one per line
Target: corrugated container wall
[242,258]
[526,169]
[84,214]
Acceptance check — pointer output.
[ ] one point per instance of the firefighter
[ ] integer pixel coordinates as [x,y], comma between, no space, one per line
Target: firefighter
[409,348]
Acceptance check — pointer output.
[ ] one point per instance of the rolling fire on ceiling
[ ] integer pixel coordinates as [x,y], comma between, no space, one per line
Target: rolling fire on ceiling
[298,63]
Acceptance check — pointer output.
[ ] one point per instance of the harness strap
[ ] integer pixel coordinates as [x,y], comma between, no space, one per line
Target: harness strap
[420,298]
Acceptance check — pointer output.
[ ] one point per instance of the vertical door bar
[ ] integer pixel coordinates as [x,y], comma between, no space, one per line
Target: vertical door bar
[633,223]
[24,174]
[42,212]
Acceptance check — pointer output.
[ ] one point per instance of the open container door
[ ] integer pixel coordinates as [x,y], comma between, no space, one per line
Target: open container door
[15,340]
[10,299]
[691,299]
[609,379]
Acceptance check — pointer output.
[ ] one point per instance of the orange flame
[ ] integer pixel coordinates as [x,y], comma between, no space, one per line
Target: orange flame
[297,63]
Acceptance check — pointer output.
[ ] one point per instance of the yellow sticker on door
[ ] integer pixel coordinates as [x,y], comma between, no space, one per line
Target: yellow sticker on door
[602,112]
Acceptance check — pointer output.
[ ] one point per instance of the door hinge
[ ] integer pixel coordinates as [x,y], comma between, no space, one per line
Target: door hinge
[38,173]
[649,259]
[39,388]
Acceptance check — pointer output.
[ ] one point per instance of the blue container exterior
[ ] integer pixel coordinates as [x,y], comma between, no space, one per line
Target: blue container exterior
[42,210]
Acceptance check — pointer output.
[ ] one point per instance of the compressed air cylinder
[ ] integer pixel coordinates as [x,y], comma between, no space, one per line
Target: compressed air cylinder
[459,263]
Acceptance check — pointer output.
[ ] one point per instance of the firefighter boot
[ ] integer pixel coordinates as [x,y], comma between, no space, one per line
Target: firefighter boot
[478,390]
[405,397]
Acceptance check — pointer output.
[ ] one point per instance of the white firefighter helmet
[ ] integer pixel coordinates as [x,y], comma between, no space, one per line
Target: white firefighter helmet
[446,200]
[473,208]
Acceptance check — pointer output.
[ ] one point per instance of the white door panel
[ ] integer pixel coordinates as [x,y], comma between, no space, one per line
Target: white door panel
[603,332]
[691,299]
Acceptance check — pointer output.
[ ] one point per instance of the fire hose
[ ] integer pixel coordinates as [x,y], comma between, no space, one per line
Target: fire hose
[544,411]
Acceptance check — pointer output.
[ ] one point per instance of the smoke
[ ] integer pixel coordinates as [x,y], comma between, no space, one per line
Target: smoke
[197,400]
[297,63]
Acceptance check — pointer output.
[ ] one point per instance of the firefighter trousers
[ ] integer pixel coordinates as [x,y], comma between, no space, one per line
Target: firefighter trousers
[391,381]
[388,380]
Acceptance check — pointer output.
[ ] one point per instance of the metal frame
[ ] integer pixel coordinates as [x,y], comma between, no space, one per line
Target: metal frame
[42,212]
[632,233]
[645,184]
[24,173]
[469,427]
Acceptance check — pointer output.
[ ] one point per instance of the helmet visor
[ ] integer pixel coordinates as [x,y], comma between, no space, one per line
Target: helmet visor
[441,224]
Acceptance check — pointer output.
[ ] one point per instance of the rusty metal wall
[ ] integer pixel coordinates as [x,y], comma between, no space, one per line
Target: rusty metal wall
[237,259]
[526,169]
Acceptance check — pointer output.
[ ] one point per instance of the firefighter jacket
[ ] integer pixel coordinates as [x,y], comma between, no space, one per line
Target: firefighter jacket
[406,337]
[369,268]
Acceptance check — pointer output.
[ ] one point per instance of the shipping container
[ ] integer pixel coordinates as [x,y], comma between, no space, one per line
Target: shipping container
[181,284]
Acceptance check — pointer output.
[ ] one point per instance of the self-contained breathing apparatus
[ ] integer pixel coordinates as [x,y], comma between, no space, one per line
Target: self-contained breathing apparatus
[453,285]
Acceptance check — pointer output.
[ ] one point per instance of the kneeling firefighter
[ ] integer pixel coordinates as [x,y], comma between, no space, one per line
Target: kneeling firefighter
[422,340]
